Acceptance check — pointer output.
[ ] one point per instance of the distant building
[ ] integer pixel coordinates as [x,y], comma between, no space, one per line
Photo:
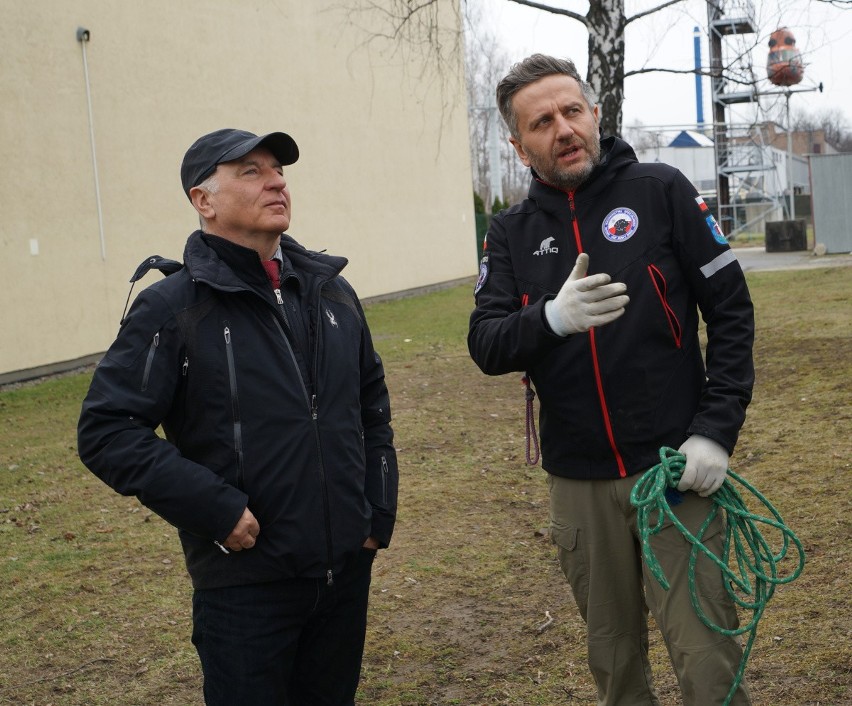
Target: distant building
[691,138]
[692,153]
[804,141]
[756,163]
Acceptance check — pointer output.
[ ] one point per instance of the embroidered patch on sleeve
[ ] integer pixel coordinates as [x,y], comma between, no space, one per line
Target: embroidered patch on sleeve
[715,230]
[483,275]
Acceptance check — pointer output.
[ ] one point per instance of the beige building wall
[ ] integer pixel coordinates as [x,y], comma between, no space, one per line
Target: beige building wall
[383,178]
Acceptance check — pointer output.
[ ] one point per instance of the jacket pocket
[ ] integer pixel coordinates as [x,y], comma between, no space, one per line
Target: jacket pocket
[658,280]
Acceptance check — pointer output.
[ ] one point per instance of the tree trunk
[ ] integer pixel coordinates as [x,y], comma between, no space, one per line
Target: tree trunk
[606,22]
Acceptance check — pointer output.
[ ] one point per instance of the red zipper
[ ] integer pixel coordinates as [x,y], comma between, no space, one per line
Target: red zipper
[575,224]
[622,470]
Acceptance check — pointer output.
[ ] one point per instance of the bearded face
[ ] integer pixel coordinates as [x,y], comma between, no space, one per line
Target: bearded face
[558,131]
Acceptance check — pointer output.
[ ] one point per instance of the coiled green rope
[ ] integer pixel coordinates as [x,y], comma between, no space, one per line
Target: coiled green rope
[748,563]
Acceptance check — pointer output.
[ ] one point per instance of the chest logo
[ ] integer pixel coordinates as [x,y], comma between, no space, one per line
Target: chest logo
[620,225]
[330,314]
[546,247]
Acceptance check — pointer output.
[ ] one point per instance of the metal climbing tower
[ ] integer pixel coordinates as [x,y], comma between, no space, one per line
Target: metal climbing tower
[730,23]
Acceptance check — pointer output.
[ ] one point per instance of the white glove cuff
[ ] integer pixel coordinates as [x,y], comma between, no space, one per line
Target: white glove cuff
[553,320]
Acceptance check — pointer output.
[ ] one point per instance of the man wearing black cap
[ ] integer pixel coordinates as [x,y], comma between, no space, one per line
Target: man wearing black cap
[278,467]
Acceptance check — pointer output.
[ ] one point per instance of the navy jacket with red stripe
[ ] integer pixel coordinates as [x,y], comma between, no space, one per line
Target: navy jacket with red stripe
[610,398]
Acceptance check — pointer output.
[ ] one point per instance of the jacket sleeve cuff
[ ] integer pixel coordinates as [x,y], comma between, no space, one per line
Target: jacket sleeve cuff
[382,528]
[229,518]
[544,322]
[714,435]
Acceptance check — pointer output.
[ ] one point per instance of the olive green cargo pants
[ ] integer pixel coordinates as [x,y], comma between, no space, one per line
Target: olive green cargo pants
[593,525]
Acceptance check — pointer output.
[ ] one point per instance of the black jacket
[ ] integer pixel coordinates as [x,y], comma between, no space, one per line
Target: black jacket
[288,415]
[610,398]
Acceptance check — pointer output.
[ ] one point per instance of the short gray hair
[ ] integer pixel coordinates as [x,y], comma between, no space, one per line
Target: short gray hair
[530,70]
[210,184]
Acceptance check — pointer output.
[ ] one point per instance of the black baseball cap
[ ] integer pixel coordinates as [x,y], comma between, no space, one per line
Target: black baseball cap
[226,145]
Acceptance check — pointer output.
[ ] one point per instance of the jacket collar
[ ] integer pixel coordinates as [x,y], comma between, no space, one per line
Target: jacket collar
[231,267]
[615,154]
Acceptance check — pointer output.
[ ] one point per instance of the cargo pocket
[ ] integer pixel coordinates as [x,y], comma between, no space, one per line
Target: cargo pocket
[572,560]
[673,548]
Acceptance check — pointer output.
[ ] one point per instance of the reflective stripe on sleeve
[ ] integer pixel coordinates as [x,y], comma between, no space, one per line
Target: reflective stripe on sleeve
[716,264]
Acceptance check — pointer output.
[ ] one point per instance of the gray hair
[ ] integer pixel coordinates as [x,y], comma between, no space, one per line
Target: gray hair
[529,71]
[210,184]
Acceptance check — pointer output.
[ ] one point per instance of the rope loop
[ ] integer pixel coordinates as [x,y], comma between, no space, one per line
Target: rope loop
[748,562]
[531,433]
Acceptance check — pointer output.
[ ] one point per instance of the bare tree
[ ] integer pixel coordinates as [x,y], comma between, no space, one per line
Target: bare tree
[423,36]
[423,29]
[642,138]
[486,62]
[831,122]
[415,26]
[418,27]
[605,21]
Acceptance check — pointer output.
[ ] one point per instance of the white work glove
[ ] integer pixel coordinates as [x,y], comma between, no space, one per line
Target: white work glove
[706,465]
[584,302]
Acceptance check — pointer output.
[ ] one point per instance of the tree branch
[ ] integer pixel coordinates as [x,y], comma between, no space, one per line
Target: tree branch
[699,72]
[644,13]
[557,10]
[648,70]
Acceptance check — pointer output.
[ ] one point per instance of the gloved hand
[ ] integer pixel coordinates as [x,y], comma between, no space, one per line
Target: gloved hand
[706,465]
[584,302]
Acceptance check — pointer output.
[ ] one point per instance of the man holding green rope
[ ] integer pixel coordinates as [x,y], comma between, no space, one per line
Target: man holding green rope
[620,374]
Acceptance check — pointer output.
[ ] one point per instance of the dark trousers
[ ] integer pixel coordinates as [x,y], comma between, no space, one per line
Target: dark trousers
[296,642]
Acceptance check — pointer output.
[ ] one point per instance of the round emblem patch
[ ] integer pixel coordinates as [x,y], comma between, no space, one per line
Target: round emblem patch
[620,225]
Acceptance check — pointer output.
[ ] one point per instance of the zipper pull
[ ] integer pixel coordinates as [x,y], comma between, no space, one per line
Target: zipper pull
[227,336]
[329,578]
[385,472]
[185,366]
[156,339]
[278,296]
[313,407]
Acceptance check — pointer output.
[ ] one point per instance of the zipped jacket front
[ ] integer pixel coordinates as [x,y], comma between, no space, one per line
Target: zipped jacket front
[296,427]
[611,397]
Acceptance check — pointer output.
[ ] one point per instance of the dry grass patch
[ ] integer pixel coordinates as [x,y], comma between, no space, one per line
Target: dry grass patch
[94,600]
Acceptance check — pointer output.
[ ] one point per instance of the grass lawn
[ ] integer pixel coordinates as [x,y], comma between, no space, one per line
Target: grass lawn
[94,598]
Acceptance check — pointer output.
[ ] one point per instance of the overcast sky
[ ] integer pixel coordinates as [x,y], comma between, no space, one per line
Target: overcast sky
[823,35]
